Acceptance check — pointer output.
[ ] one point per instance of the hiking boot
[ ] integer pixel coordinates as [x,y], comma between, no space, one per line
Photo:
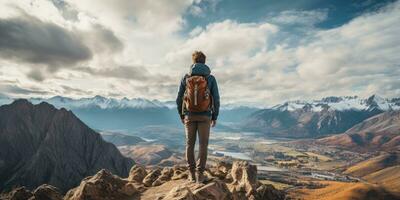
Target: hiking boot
[192,177]
[200,177]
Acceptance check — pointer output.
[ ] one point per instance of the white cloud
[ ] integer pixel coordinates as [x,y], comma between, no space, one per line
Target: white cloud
[359,58]
[196,31]
[225,41]
[162,17]
[303,17]
[253,62]
[196,11]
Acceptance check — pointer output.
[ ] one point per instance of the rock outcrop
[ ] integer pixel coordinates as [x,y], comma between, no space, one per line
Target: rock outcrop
[151,177]
[40,144]
[103,185]
[137,174]
[244,178]
[46,192]
[43,192]
[20,193]
[180,192]
[162,184]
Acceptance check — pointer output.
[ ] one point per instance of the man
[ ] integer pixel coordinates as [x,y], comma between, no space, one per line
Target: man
[198,107]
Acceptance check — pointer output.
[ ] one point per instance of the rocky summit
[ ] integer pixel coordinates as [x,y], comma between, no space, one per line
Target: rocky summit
[40,144]
[225,181]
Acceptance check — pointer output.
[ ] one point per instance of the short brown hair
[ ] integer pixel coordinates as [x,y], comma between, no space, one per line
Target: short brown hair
[198,57]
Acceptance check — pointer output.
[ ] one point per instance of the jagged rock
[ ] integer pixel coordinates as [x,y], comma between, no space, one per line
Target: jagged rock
[179,173]
[151,177]
[238,195]
[137,174]
[244,177]
[228,177]
[46,192]
[103,185]
[180,193]
[213,191]
[221,170]
[20,193]
[224,166]
[269,192]
[165,176]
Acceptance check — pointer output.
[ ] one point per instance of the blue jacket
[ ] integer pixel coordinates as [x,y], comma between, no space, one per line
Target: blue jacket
[204,70]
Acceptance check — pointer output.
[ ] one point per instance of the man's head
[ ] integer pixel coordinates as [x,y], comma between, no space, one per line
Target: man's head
[198,57]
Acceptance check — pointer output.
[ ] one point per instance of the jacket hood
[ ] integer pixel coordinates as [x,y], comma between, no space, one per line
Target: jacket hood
[200,69]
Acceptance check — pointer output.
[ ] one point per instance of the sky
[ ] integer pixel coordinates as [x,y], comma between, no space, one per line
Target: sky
[260,51]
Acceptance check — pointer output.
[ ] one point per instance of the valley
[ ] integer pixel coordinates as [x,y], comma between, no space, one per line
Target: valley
[289,164]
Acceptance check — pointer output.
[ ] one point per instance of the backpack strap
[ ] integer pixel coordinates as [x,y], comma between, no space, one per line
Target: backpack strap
[190,70]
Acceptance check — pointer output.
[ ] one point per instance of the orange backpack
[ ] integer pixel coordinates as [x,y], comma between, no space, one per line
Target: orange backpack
[197,97]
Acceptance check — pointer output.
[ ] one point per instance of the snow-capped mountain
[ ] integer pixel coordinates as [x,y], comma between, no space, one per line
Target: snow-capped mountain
[100,102]
[112,103]
[129,114]
[330,115]
[342,104]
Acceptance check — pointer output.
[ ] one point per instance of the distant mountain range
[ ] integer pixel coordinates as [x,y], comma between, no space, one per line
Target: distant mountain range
[132,114]
[108,103]
[42,144]
[317,118]
[371,103]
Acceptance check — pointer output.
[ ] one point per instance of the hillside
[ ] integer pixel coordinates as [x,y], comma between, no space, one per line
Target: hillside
[383,170]
[344,191]
[151,154]
[388,177]
[374,164]
[41,144]
[378,132]
[120,139]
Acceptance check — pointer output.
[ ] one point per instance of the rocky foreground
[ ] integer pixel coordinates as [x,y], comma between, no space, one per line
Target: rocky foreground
[235,181]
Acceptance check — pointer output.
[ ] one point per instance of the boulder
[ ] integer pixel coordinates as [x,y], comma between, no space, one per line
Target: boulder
[179,173]
[46,192]
[213,191]
[228,177]
[103,185]
[137,174]
[151,177]
[165,176]
[238,195]
[221,169]
[20,193]
[224,166]
[180,192]
[244,176]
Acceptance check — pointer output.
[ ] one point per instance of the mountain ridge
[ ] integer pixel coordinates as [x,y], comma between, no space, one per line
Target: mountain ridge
[333,102]
[330,115]
[42,144]
[381,131]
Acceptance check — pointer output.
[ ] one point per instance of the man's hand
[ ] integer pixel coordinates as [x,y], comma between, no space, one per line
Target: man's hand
[213,123]
[182,119]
